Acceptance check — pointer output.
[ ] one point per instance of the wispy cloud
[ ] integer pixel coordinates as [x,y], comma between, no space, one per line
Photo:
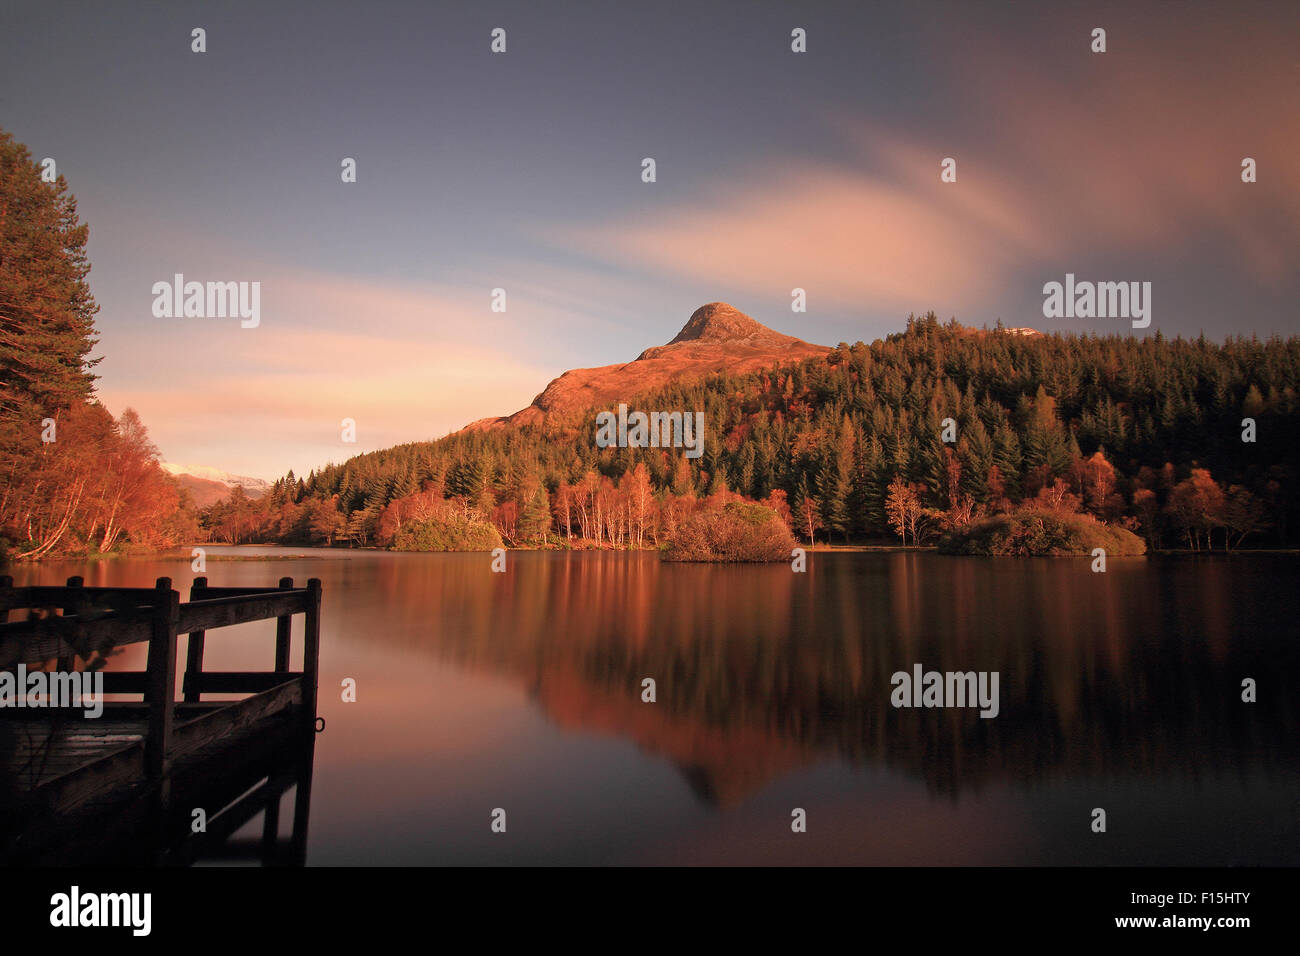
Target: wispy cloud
[848,237]
[404,363]
[1132,156]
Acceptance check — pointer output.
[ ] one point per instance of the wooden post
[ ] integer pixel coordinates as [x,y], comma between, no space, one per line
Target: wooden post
[77,605]
[6,582]
[297,850]
[311,653]
[283,629]
[271,830]
[194,649]
[161,679]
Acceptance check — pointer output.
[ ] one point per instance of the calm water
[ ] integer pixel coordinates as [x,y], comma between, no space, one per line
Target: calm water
[523,691]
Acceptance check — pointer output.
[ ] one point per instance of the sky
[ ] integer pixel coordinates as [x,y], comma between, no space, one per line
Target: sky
[522,170]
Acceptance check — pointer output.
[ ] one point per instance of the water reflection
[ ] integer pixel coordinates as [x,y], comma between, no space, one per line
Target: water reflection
[1120,689]
[760,670]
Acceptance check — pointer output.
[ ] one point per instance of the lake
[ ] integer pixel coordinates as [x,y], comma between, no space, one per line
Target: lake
[523,691]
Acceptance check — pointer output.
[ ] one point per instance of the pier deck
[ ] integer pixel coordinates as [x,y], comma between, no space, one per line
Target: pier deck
[122,787]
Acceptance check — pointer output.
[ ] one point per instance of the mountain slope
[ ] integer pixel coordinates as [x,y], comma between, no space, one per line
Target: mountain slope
[208,485]
[716,338]
[1146,430]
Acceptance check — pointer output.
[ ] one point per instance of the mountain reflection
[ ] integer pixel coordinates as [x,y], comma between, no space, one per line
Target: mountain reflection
[761,671]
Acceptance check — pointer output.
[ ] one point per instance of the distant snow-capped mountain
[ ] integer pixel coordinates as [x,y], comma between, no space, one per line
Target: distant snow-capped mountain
[208,485]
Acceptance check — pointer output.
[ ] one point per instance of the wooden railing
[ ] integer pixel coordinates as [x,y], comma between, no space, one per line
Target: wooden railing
[94,618]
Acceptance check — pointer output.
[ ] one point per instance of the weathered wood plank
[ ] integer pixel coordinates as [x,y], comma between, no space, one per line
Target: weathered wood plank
[46,595]
[126,682]
[237,682]
[47,639]
[29,642]
[117,768]
[239,592]
[116,713]
[211,613]
[235,717]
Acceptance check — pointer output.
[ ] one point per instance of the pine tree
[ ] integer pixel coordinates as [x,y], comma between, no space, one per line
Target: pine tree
[47,313]
[47,332]
[535,513]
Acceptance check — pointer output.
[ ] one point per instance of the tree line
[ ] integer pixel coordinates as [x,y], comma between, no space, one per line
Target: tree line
[923,431]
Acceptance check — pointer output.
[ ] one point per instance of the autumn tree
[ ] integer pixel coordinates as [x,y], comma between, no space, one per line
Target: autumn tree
[324,519]
[809,516]
[903,509]
[1242,514]
[1196,506]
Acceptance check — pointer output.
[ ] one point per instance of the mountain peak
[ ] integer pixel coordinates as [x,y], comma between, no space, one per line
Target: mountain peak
[717,338]
[718,322]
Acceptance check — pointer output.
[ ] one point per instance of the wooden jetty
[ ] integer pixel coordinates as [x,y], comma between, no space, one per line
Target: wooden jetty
[123,788]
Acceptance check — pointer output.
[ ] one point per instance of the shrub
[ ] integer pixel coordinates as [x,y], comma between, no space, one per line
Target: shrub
[448,531]
[740,531]
[1041,531]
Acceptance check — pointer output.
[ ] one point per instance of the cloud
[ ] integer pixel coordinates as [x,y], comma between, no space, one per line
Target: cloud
[848,237]
[406,364]
[408,360]
[1139,149]
[1064,158]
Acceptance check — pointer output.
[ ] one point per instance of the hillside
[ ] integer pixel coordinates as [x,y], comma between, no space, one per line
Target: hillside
[717,338]
[1142,433]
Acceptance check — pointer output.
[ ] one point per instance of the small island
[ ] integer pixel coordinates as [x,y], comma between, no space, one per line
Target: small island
[1040,531]
[741,531]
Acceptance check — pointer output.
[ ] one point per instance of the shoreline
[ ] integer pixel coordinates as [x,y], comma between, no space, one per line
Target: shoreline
[313,552]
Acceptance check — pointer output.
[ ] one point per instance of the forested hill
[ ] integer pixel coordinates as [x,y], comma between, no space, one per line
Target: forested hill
[1147,432]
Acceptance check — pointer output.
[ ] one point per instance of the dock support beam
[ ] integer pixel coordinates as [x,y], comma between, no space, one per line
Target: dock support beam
[194,648]
[311,652]
[161,680]
[283,630]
